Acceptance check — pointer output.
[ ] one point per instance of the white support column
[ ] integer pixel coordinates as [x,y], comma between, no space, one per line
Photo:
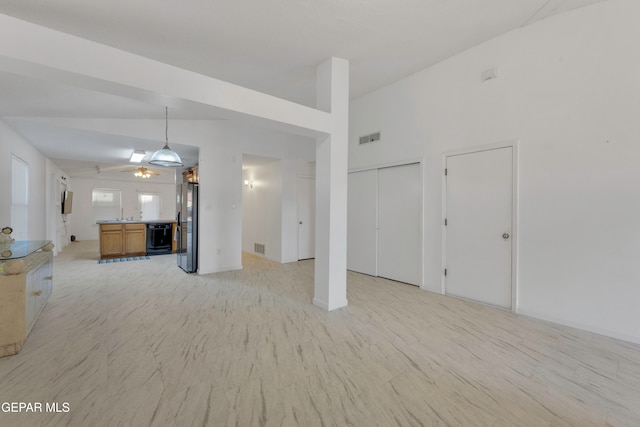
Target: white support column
[331,187]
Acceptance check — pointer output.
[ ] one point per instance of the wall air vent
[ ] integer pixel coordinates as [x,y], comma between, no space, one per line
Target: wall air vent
[258,248]
[369,138]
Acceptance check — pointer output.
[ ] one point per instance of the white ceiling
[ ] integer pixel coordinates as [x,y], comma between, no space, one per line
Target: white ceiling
[272,46]
[89,154]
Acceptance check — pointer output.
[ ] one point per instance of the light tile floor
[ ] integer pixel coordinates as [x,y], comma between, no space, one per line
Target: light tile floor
[143,344]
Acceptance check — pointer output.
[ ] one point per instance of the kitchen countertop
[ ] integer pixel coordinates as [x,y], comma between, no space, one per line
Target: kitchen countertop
[136,221]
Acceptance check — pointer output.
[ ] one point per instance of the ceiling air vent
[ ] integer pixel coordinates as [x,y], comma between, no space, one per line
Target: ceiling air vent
[370,138]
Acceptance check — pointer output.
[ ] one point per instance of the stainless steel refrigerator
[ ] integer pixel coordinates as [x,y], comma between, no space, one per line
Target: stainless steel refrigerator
[187,226]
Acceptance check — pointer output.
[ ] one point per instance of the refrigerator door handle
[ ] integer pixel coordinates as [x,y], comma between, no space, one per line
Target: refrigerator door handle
[175,232]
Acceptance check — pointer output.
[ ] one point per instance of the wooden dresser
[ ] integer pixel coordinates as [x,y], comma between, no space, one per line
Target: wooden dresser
[23,296]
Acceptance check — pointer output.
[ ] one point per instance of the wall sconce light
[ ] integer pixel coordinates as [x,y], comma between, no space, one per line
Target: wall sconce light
[248,183]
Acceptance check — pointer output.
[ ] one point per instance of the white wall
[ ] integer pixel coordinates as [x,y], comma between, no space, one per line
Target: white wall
[262,209]
[221,146]
[81,219]
[221,186]
[270,208]
[57,225]
[567,90]
[45,219]
[12,143]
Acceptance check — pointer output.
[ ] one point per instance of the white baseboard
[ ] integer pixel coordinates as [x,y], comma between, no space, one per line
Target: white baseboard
[221,269]
[578,325]
[325,306]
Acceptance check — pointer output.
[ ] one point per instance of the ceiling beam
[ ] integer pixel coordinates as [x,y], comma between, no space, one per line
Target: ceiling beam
[39,52]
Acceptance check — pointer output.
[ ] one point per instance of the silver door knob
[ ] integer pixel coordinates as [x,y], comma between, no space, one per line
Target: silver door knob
[505,236]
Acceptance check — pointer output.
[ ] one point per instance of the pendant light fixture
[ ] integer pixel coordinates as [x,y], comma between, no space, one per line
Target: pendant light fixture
[166,156]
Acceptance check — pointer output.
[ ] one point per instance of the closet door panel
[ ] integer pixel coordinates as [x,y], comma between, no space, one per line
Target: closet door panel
[362,222]
[400,223]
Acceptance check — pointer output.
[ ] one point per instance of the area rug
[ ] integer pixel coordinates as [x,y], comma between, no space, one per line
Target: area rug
[129,258]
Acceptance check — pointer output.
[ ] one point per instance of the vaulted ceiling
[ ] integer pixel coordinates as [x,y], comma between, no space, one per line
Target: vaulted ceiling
[272,46]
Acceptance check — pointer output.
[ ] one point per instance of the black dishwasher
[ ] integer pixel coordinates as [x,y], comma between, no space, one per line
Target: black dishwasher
[159,239]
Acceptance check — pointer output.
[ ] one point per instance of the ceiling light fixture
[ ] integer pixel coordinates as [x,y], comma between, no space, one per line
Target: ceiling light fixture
[166,156]
[137,156]
[142,174]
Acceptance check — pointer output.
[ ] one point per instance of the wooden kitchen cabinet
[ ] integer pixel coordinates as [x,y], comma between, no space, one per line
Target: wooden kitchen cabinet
[191,175]
[111,240]
[135,239]
[117,240]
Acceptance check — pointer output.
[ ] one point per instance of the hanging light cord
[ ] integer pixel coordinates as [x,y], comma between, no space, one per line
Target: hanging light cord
[166,156]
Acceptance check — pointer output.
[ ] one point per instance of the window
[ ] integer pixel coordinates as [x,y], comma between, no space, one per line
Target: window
[19,198]
[149,204]
[107,204]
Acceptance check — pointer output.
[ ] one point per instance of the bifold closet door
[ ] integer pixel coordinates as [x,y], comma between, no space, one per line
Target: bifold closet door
[400,223]
[362,222]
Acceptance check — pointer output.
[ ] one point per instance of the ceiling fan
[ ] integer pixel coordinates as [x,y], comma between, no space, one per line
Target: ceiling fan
[142,172]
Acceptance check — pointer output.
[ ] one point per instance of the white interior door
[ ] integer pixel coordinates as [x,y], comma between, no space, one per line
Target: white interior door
[306,217]
[400,223]
[479,209]
[362,222]
[149,204]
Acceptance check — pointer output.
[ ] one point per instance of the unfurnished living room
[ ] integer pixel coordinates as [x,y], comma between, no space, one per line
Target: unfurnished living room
[410,213]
